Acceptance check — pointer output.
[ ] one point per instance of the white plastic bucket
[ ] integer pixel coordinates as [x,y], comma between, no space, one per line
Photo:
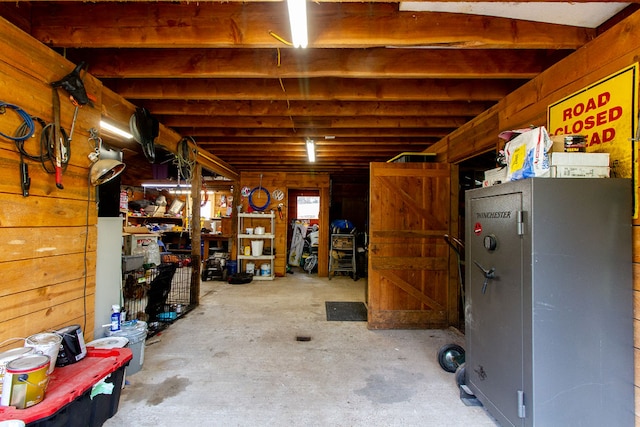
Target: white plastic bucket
[256,247]
[46,343]
[12,423]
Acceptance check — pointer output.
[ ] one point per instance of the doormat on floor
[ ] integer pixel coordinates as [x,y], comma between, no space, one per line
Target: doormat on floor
[346,311]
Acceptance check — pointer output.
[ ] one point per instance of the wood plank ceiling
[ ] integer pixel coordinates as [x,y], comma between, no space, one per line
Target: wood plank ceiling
[374,81]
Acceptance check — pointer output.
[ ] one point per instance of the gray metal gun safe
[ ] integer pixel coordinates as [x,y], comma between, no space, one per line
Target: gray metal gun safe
[548,309]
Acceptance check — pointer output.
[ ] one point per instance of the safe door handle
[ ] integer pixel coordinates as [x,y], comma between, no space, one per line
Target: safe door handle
[488,275]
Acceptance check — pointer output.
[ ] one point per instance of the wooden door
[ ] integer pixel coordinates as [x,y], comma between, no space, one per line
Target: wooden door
[408,257]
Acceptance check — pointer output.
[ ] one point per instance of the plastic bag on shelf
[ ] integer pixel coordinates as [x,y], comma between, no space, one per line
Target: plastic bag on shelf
[153,253]
[527,154]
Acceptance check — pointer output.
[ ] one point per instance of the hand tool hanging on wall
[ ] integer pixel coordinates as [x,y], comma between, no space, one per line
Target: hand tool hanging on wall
[57,140]
[74,86]
[72,83]
[25,179]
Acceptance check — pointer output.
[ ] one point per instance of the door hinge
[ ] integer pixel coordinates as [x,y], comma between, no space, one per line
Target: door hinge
[520,222]
[522,413]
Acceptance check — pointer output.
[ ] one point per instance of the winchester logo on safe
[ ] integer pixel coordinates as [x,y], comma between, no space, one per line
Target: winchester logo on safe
[494,215]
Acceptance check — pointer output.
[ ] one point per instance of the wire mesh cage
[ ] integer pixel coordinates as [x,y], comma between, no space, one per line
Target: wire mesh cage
[160,294]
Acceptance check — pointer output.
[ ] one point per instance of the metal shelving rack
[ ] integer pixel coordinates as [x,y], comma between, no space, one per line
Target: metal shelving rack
[252,220]
[343,255]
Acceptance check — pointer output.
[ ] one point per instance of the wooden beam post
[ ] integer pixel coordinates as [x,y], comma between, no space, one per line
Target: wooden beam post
[196,258]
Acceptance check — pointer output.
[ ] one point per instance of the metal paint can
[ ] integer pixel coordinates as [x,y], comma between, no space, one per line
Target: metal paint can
[8,356]
[25,381]
[46,343]
[73,348]
[251,268]
[265,269]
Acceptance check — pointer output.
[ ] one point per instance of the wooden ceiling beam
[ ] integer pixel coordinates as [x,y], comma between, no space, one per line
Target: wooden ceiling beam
[297,164]
[205,133]
[320,141]
[305,166]
[263,155]
[313,122]
[308,63]
[315,89]
[290,148]
[379,80]
[320,158]
[331,25]
[322,108]
[353,1]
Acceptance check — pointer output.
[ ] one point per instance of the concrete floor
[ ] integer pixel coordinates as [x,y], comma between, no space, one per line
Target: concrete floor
[235,361]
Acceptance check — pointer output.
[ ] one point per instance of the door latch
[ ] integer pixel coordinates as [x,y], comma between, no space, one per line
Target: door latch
[488,275]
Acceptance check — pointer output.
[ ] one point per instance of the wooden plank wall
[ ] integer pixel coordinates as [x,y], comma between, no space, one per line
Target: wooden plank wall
[283,181]
[612,51]
[48,238]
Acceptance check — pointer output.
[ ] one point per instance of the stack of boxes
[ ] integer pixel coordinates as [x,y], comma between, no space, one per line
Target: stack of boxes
[569,159]
[579,165]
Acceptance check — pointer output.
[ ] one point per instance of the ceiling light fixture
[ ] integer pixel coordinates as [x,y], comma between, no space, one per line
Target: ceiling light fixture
[311,150]
[165,184]
[298,22]
[105,126]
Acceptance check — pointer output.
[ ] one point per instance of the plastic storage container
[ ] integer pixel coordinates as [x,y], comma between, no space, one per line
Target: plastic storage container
[232,267]
[136,332]
[132,262]
[69,400]
[108,343]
